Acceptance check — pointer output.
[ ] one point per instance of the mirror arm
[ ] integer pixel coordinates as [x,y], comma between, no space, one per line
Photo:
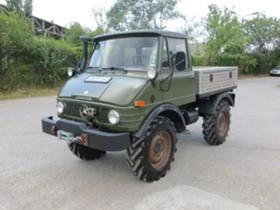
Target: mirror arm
[170,76]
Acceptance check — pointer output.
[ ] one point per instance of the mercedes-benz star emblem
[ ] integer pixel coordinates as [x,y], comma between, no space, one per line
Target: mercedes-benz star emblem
[87,112]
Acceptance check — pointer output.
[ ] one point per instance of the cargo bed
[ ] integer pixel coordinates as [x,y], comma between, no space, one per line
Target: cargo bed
[211,80]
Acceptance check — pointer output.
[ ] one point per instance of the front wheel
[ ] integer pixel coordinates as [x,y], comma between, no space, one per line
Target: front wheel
[216,126]
[150,157]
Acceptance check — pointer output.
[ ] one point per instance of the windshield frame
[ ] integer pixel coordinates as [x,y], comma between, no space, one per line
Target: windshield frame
[144,68]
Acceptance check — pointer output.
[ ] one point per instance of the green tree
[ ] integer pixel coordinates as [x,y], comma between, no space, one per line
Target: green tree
[135,14]
[74,33]
[263,32]
[225,41]
[263,41]
[193,29]
[26,60]
[15,40]
[100,19]
[28,7]
[20,6]
[96,32]
[15,5]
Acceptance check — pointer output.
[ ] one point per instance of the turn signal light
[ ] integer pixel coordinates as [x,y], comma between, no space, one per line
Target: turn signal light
[139,103]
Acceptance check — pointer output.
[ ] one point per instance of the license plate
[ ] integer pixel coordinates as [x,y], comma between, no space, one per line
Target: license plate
[65,136]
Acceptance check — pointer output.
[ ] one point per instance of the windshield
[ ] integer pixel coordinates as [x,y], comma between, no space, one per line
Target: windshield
[125,53]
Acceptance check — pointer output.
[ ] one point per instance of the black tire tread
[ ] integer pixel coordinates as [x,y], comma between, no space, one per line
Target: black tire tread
[209,125]
[137,160]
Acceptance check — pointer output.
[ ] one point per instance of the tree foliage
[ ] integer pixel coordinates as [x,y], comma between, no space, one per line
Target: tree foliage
[26,60]
[263,33]
[193,29]
[15,36]
[100,19]
[19,6]
[263,41]
[225,41]
[74,33]
[251,44]
[15,5]
[28,7]
[141,14]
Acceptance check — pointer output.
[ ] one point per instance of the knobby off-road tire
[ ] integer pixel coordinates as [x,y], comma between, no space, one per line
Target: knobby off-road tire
[216,126]
[85,153]
[150,157]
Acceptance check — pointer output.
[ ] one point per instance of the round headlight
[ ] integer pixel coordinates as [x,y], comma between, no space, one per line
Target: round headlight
[113,117]
[59,107]
[70,72]
[152,73]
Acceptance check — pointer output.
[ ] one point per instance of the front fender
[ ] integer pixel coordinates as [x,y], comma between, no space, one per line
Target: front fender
[169,110]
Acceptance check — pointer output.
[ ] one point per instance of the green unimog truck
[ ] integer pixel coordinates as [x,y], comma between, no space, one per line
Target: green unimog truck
[135,91]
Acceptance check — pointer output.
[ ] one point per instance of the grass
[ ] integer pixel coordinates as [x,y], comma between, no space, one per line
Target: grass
[29,92]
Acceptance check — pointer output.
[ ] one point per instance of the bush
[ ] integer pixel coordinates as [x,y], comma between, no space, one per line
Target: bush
[199,60]
[15,36]
[26,60]
[49,59]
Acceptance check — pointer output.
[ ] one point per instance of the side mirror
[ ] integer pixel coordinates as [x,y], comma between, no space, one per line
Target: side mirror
[152,73]
[71,71]
[180,61]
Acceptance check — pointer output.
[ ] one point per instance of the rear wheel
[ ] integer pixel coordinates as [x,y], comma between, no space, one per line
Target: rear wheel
[85,153]
[150,158]
[216,126]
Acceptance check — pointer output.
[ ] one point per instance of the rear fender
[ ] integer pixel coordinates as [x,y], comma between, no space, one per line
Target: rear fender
[209,106]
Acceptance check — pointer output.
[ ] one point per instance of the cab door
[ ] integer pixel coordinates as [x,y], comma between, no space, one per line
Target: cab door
[179,87]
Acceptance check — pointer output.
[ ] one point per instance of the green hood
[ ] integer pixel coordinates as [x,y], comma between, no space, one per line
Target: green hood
[114,89]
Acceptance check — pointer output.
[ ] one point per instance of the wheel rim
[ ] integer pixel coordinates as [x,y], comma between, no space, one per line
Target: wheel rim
[160,150]
[223,123]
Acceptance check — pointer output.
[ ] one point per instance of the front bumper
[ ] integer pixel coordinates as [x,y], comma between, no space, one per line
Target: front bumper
[90,137]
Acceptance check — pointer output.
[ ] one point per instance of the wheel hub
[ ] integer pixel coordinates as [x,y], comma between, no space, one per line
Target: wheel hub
[160,150]
[223,123]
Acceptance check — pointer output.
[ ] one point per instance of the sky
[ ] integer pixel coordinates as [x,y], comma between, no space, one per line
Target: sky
[65,12]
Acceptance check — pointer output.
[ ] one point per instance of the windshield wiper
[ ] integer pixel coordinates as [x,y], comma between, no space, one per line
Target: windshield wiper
[94,68]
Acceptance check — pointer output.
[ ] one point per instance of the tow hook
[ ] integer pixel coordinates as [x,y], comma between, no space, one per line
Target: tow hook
[75,140]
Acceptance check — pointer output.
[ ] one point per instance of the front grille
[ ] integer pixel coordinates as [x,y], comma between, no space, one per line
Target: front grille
[74,109]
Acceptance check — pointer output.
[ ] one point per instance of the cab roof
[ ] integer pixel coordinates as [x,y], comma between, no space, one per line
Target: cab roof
[151,32]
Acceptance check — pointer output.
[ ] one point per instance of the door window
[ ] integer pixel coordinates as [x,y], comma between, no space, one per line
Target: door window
[164,56]
[177,45]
